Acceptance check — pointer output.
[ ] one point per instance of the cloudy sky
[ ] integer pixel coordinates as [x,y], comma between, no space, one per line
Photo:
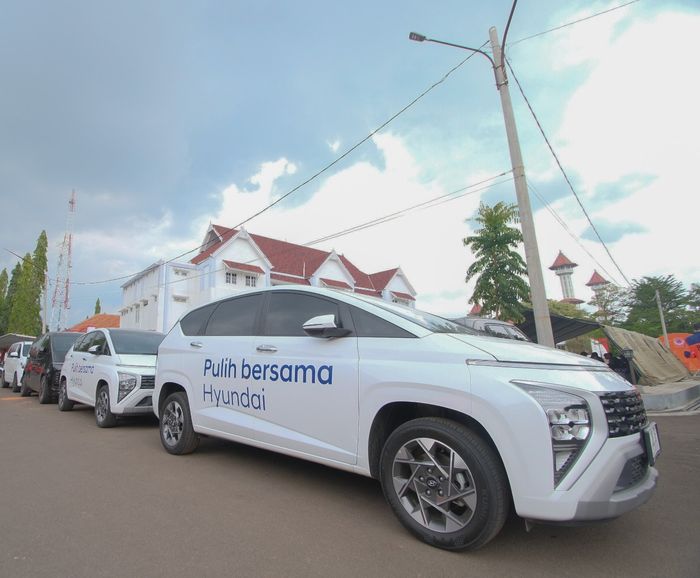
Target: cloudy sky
[165,116]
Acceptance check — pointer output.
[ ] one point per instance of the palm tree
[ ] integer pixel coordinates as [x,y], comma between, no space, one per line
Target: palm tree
[498,267]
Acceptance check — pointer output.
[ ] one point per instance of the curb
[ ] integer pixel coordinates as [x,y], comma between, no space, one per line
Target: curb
[666,401]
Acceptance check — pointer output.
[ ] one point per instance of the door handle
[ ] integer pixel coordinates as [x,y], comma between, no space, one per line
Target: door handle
[268,348]
[197,344]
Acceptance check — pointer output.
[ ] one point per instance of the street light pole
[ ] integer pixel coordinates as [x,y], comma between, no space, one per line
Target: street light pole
[543,324]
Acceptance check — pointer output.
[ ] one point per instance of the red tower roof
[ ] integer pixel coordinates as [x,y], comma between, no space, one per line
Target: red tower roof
[596,279]
[562,261]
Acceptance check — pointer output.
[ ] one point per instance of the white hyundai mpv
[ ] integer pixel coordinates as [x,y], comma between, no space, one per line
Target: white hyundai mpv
[454,425]
[112,370]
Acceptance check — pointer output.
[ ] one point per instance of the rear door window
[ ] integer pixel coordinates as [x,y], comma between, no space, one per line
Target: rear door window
[235,316]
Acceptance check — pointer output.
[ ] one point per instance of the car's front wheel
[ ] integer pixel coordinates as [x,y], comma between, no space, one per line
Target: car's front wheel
[64,404]
[176,432]
[103,412]
[446,485]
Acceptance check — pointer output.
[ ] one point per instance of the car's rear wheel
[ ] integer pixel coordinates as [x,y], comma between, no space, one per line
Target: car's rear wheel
[103,413]
[176,432]
[64,404]
[44,390]
[23,387]
[445,484]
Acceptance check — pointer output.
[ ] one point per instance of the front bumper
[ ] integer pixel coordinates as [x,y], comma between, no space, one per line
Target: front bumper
[139,401]
[618,480]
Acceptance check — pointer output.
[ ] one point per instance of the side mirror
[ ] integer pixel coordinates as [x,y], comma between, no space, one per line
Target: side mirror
[95,350]
[324,326]
[14,355]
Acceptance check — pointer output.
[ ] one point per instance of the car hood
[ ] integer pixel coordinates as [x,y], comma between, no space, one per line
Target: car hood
[521,352]
[135,360]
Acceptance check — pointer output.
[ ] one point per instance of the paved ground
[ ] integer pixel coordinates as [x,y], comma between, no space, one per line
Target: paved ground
[79,501]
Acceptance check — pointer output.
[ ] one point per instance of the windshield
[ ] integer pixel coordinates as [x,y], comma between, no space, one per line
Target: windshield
[426,320]
[136,342]
[61,343]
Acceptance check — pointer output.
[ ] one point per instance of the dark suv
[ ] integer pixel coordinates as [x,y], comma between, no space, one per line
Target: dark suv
[44,363]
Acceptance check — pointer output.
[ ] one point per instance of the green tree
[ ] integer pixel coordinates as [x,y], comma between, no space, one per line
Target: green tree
[643,309]
[4,279]
[9,300]
[611,304]
[498,267]
[98,307]
[694,298]
[25,315]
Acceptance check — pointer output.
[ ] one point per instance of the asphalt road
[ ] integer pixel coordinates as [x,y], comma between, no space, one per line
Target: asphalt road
[79,501]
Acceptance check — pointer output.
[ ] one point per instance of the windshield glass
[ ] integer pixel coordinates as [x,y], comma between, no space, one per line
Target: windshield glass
[61,343]
[136,342]
[426,320]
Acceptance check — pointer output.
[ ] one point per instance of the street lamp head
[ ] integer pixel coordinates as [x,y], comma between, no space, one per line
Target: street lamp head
[417,37]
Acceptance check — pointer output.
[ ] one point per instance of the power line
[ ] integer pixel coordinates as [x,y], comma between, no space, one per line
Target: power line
[572,23]
[566,176]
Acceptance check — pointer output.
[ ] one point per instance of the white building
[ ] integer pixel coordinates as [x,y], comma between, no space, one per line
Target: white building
[232,260]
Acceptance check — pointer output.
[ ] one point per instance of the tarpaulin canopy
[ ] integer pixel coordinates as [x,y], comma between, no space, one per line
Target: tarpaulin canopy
[9,338]
[654,363]
[563,327]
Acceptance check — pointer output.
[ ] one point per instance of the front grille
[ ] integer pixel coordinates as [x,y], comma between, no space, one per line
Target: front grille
[55,378]
[633,472]
[148,381]
[624,411]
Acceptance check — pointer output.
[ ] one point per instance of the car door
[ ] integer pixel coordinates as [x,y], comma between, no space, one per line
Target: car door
[212,362]
[77,370]
[310,384]
[34,368]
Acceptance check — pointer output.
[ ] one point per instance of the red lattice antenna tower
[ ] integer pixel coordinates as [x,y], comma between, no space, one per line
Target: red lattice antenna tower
[60,304]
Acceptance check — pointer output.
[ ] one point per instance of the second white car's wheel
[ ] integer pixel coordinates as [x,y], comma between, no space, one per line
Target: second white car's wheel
[64,404]
[445,484]
[176,432]
[103,412]
[44,390]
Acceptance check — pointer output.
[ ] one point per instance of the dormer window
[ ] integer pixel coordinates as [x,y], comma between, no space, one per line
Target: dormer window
[251,280]
[231,278]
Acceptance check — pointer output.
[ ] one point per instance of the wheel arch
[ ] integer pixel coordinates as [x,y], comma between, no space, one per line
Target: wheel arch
[167,388]
[394,414]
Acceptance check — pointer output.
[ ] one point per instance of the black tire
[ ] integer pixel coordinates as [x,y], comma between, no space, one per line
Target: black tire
[4,383]
[23,388]
[44,390]
[103,413]
[425,457]
[64,404]
[176,432]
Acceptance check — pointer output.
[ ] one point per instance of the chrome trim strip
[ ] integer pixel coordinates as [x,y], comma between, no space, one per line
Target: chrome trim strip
[536,365]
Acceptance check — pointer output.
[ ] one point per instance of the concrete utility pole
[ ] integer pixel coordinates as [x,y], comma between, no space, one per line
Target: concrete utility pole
[543,323]
[663,321]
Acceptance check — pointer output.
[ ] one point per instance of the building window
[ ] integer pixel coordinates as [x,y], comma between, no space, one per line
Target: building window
[230,278]
[250,280]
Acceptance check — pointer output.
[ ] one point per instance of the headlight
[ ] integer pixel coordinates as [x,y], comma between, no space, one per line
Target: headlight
[127,382]
[569,424]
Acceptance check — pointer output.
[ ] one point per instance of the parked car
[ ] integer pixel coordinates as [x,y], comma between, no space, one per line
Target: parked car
[493,327]
[43,368]
[455,425]
[112,370]
[15,359]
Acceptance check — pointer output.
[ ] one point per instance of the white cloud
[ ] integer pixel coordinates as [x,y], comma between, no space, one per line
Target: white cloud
[334,145]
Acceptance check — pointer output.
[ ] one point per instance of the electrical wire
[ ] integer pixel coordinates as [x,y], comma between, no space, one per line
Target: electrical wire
[566,176]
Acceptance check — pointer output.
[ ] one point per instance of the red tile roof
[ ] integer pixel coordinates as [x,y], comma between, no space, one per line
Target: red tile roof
[334,283]
[562,261]
[243,267]
[288,279]
[404,296]
[101,320]
[292,263]
[369,292]
[381,280]
[597,279]
[476,309]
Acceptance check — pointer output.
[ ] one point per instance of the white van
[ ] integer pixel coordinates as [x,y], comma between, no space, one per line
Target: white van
[15,360]
[454,425]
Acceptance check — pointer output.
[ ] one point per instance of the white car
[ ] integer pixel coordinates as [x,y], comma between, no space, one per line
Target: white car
[15,360]
[112,370]
[454,425]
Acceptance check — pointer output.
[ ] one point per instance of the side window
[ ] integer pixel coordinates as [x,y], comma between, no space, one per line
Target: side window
[85,342]
[368,325]
[235,316]
[497,330]
[194,322]
[287,313]
[100,339]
